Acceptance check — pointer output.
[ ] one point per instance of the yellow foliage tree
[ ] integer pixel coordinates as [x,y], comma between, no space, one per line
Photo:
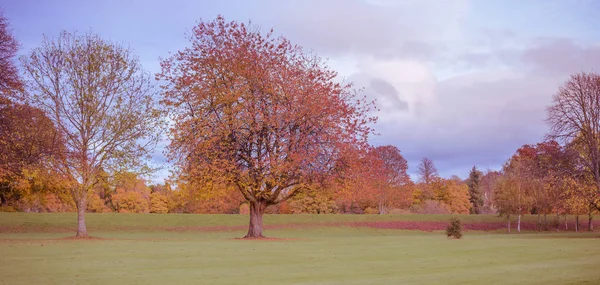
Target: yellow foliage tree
[96,204]
[130,202]
[159,203]
[452,193]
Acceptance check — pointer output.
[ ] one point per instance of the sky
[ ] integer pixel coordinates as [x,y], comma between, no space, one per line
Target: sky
[462,82]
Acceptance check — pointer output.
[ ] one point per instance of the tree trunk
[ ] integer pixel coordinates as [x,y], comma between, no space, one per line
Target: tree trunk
[545,222]
[557,221]
[590,223]
[81,207]
[381,208]
[519,224]
[257,210]
[577,223]
[539,222]
[508,223]
[3,199]
[566,223]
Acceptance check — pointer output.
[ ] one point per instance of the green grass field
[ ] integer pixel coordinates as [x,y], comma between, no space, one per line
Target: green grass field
[203,249]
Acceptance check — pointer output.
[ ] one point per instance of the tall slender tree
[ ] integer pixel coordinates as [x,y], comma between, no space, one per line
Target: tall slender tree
[475,193]
[102,103]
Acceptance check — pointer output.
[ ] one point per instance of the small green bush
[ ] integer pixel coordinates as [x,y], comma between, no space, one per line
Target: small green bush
[454,228]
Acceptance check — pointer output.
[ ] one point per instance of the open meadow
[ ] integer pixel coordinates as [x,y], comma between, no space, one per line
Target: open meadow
[303,249]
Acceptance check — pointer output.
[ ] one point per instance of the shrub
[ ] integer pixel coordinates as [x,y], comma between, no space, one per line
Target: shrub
[8,209]
[312,202]
[244,209]
[371,211]
[454,228]
[400,211]
[130,202]
[431,207]
[284,208]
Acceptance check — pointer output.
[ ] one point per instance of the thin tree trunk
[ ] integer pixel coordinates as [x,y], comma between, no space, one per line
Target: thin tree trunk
[3,199]
[381,207]
[539,222]
[257,210]
[577,223]
[557,221]
[566,223]
[508,223]
[590,223]
[519,223]
[545,222]
[81,208]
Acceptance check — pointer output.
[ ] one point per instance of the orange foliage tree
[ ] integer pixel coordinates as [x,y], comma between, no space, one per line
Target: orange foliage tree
[132,195]
[204,194]
[159,203]
[42,189]
[373,180]
[391,180]
[259,112]
[349,182]
[542,168]
[29,142]
[452,193]
[9,76]
[514,193]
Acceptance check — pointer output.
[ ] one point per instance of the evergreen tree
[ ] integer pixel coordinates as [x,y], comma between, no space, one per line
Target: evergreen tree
[474,183]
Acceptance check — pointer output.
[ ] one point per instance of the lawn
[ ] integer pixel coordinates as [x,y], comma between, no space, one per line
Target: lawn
[327,249]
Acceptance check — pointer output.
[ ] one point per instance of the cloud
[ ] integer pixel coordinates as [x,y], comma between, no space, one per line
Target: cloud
[456,81]
[414,28]
[458,93]
[388,93]
[477,118]
[560,56]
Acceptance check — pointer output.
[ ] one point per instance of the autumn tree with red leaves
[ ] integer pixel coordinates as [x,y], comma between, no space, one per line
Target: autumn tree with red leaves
[29,142]
[391,178]
[259,112]
[9,76]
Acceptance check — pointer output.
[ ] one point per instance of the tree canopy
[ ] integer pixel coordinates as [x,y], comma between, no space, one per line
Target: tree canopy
[259,111]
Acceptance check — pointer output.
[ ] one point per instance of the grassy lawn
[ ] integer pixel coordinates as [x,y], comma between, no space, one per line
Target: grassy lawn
[134,249]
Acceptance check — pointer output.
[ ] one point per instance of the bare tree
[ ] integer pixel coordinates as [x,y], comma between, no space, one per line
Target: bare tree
[9,76]
[101,101]
[574,116]
[427,170]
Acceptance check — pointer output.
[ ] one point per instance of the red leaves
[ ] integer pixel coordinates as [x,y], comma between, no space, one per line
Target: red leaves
[27,138]
[257,111]
[9,76]
[375,178]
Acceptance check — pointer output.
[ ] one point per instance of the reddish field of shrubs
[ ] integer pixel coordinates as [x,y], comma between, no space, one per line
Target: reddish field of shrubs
[474,226]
